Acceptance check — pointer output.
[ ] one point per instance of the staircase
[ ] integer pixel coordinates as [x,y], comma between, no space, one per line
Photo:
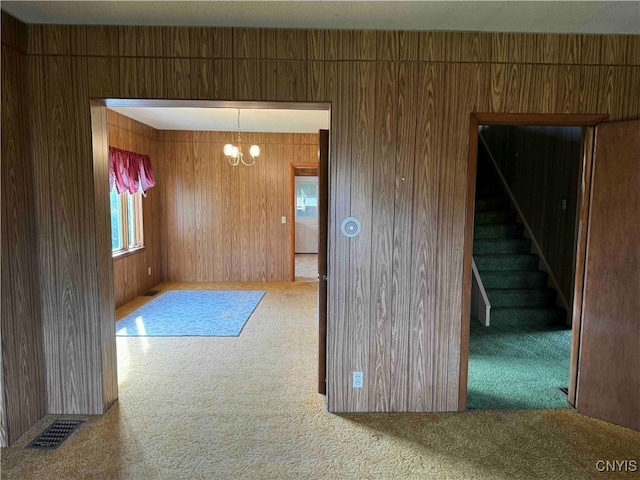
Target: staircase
[516,288]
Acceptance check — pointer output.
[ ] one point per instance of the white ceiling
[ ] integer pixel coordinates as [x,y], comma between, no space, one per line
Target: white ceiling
[226,119]
[495,16]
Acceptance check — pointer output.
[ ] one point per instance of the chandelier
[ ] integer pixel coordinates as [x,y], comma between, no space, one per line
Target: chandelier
[234,152]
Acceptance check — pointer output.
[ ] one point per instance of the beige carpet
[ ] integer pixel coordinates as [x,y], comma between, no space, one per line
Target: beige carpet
[306,267]
[246,408]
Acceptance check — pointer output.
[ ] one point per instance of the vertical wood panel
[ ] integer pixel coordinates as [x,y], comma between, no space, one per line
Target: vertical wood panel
[254,43]
[9,30]
[140,41]
[105,79]
[388,45]
[338,44]
[451,217]
[570,49]
[42,158]
[255,79]
[614,49]
[568,88]
[633,50]
[338,83]
[22,384]
[424,237]
[223,83]
[34,40]
[177,77]
[202,78]
[500,47]
[106,307]
[141,77]
[210,42]
[402,234]
[292,44]
[612,95]
[72,336]
[103,40]
[591,46]
[589,85]
[363,120]
[56,39]
[385,131]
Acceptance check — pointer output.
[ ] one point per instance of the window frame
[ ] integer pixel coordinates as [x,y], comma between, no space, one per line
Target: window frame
[138,244]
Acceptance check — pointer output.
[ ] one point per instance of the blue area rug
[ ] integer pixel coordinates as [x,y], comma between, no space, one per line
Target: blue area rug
[191,313]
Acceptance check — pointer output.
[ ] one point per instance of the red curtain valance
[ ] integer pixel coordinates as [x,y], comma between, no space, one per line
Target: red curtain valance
[130,172]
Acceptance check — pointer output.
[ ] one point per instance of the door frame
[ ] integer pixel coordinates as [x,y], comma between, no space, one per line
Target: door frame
[297,169]
[524,119]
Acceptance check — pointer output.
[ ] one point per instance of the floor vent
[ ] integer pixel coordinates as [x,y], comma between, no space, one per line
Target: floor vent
[151,293]
[55,434]
[564,391]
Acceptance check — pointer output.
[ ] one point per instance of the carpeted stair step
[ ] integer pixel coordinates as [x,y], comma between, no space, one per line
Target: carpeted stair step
[491,203]
[487,217]
[521,297]
[535,317]
[506,262]
[506,230]
[514,279]
[501,245]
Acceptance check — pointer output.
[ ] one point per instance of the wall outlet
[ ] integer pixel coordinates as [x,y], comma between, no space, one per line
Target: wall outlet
[358,379]
[284,219]
[564,204]
[149,271]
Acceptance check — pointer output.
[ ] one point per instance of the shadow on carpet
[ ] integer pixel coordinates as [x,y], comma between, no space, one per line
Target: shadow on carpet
[517,369]
[191,313]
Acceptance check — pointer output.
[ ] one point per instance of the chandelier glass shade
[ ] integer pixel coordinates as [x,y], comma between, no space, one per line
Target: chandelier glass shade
[234,153]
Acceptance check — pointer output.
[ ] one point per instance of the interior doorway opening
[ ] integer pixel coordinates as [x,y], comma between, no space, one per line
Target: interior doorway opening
[304,187]
[524,250]
[499,213]
[187,238]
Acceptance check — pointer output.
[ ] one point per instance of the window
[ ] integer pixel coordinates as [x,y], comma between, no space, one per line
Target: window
[306,196]
[126,221]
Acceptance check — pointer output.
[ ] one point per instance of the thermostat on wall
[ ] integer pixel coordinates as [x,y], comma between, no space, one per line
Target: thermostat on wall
[350,227]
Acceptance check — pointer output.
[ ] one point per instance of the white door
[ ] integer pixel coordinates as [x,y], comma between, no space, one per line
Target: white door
[306,198]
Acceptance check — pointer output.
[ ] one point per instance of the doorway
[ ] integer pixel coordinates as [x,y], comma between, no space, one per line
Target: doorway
[525,229]
[582,196]
[304,225]
[198,161]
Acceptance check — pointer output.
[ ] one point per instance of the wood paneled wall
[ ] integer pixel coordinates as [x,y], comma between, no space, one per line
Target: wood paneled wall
[22,388]
[224,223]
[401,104]
[130,273]
[78,340]
[542,167]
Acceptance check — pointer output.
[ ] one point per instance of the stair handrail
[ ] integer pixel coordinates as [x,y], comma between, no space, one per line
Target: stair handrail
[480,304]
[534,242]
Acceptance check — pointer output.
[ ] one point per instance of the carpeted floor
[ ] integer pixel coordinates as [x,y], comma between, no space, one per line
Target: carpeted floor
[516,368]
[306,267]
[246,408]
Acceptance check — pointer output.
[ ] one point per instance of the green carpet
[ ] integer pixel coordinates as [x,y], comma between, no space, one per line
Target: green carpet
[511,368]
[521,360]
